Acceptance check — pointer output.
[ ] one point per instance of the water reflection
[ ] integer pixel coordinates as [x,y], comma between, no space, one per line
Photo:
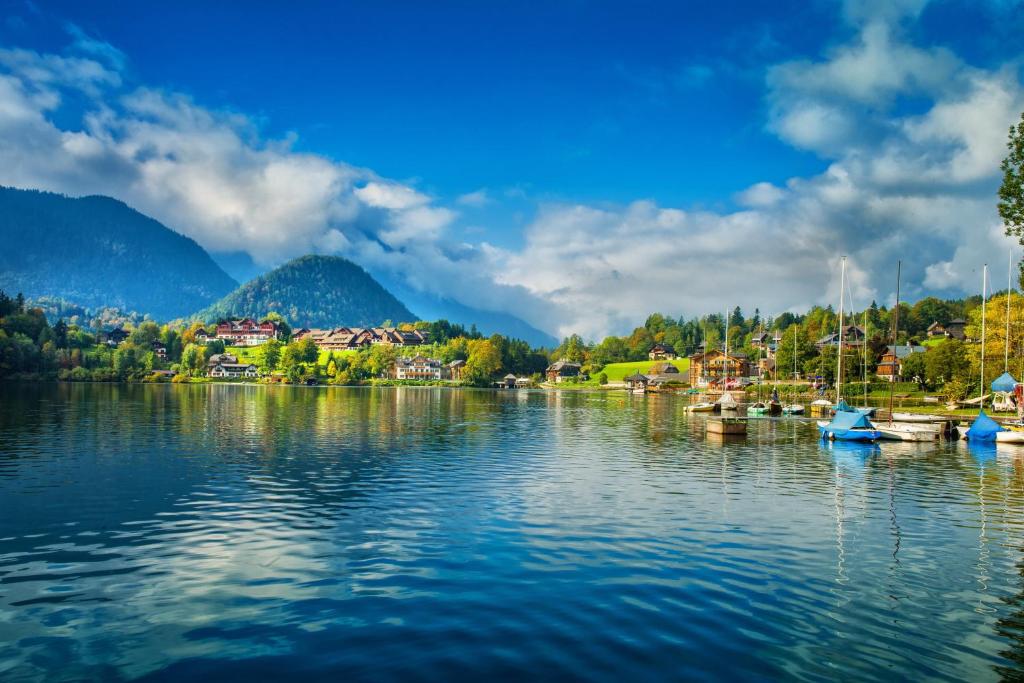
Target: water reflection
[228,532]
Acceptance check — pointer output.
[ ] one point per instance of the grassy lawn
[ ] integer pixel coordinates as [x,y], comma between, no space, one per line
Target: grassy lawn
[618,371]
[934,341]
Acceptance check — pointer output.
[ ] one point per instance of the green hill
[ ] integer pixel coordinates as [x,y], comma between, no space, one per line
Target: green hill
[617,372]
[314,291]
[97,252]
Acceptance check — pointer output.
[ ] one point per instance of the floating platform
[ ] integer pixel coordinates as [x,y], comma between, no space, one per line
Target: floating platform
[731,426]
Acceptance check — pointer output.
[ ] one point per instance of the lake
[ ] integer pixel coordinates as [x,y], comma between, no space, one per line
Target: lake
[214,532]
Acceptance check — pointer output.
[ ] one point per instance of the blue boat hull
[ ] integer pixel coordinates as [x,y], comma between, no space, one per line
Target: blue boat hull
[850,434]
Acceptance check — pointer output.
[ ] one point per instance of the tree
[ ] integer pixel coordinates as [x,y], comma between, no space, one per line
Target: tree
[483,363]
[805,350]
[382,357]
[269,355]
[1011,192]
[60,334]
[192,359]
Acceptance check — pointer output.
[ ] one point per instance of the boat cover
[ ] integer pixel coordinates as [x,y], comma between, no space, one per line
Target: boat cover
[1005,382]
[775,395]
[844,421]
[844,407]
[984,428]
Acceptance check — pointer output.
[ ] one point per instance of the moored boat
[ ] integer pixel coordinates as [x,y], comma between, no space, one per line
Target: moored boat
[907,432]
[702,407]
[849,426]
[1009,436]
[759,408]
[727,402]
[793,409]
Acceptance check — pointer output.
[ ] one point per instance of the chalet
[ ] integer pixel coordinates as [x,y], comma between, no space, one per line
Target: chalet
[114,337]
[561,370]
[662,352]
[341,338]
[203,337]
[509,381]
[663,369]
[713,367]
[454,369]
[246,331]
[853,337]
[890,368]
[636,382]
[417,368]
[765,367]
[227,365]
[767,342]
[160,349]
[954,329]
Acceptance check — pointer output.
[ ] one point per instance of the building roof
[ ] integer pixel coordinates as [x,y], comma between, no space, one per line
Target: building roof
[636,377]
[663,369]
[560,365]
[663,347]
[904,350]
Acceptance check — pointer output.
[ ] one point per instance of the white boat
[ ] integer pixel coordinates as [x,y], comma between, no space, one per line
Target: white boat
[727,402]
[793,409]
[702,407]
[895,431]
[915,417]
[1010,437]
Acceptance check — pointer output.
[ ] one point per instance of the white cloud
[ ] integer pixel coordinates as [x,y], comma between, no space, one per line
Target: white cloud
[477,198]
[917,186]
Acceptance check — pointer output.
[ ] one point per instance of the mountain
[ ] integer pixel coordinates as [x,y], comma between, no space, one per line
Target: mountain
[314,291]
[97,251]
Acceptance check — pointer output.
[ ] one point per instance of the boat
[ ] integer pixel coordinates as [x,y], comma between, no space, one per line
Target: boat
[902,431]
[1010,436]
[916,418]
[849,426]
[984,429]
[774,404]
[727,402]
[793,409]
[759,408]
[701,407]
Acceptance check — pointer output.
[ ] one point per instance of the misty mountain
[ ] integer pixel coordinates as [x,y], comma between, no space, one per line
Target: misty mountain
[97,251]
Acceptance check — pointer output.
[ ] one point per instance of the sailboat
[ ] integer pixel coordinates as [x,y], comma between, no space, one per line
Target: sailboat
[901,431]
[792,408]
[760,407]
[848,424]
[1005,384]
[984,429]
[726,402]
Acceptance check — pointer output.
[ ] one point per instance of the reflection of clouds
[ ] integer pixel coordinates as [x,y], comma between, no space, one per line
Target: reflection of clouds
[227,522]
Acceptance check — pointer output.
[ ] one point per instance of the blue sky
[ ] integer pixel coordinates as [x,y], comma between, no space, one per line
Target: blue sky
[489,136]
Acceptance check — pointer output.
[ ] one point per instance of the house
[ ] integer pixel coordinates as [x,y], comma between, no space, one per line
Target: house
[636,382]
[561,370]
[713,367]
[765,367]
[227,365]
[417,368]
[853,337]
[663,369]
[246,331]
[662,352]
[890,368]
[454,370]
[341,338]
[523,382]
[957,329]
[203,337]
[159,348]
[508,381]
[954,329]
[114,337]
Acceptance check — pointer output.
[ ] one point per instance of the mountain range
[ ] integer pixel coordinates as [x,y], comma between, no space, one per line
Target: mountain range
[96,251]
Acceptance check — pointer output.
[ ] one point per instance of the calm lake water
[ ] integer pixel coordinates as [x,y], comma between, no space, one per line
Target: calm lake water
[257,533]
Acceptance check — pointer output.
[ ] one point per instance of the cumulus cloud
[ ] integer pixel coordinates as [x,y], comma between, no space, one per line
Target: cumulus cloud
[915,183]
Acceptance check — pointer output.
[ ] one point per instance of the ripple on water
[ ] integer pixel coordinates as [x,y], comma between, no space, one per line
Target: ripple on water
[224,532]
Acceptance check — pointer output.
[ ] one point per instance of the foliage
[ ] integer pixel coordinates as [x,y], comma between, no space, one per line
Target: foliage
[92,250]
[1011,192]
[313,291]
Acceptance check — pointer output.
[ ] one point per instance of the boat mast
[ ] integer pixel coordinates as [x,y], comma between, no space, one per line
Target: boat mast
[865,345]
[1009,288]
[984,295]
[725,361]
[895,339]
[839,366]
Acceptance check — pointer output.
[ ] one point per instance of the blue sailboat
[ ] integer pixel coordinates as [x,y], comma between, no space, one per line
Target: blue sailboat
[849,425]
[983,429]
